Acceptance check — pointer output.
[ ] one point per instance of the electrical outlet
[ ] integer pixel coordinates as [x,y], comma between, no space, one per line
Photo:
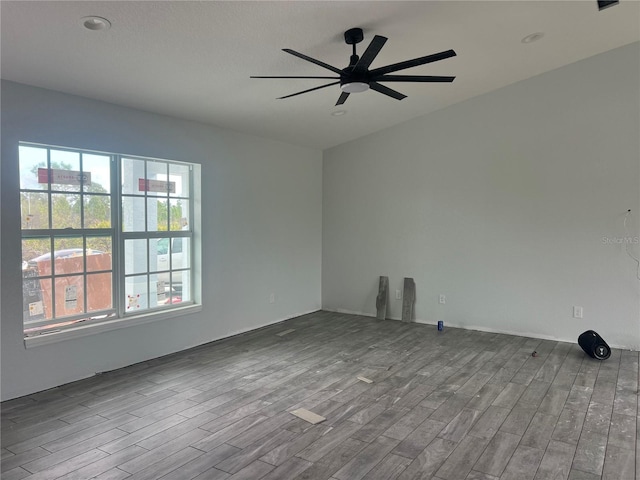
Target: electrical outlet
[577,312]
[272,298]
[398,294]
[442,299]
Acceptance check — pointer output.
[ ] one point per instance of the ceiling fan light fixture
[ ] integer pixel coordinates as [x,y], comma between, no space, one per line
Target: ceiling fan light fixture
[354,87]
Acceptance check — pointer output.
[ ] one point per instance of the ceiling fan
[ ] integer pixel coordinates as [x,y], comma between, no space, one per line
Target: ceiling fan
[358,78]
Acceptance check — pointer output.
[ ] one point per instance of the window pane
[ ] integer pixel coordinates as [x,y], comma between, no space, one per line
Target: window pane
[33,307]
[68,254]
[181,253]
[33,249]
[31,158]
[179,214]
[158,291]
[157,215]
[136,297]
[180,175]
[35,210]
[133,214]
[159,256]
[135,256]
[181,286]
[98,253]
[65,211]
[69,295]
[36,298]
[132,171]
[65,162]
[97,211]
[157,174]
[99,292]
[99,167]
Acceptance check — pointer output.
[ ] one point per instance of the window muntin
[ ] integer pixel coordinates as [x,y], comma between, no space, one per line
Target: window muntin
[83,260]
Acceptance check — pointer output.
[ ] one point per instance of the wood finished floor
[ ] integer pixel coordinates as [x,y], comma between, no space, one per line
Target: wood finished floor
[444,406]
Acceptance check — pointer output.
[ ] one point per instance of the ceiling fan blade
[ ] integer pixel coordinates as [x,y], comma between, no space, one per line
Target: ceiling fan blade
[343,98]
[312,60]
[412,63]
[370,53]
[309,90]
[386,91]
[333,78]
[411,78]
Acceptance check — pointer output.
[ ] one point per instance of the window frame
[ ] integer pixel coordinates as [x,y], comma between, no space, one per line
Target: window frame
[155,234]
[91,322]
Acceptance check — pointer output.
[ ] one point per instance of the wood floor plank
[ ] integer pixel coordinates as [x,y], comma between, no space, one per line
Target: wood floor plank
[333,460]
[249,454]
[524,464]
[408,423]
[568,426]
[489,423]
[389,468]
[278,455]
[619,464]
[590,453]
[104,465]
[458,428]
[289,470]
[166,449]
[418,440]
[167,464]
[518,420]
[495,457]
[203,465]
[15,474]
[452,405]
[254,471]
[222,436]
[461,461]
[69,465]
[367,459]
[13,461]
[622,431]
[73,451]
[556,462]
[539,432]
[87,433]
[428,460]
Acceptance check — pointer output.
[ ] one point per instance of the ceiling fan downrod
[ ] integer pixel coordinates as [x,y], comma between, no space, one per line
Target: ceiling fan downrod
[353,36]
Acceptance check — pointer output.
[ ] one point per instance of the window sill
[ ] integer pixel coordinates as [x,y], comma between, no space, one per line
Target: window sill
[86,330]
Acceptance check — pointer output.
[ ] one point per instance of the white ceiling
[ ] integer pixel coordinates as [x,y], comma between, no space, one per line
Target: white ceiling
[193,59]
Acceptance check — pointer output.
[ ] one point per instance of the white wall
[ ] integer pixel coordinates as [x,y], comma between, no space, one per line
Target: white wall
[501,203]
[261,230]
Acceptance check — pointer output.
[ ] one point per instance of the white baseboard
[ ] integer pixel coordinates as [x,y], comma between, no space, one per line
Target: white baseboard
[478,328]
[255,327]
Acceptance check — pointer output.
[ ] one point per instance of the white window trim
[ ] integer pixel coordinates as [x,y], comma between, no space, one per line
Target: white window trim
[107,326]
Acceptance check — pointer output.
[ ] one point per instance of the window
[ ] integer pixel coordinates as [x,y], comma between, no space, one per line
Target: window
[104,236]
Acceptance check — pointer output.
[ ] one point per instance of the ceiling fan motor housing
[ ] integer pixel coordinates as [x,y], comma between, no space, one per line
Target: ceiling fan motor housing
[353,82]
